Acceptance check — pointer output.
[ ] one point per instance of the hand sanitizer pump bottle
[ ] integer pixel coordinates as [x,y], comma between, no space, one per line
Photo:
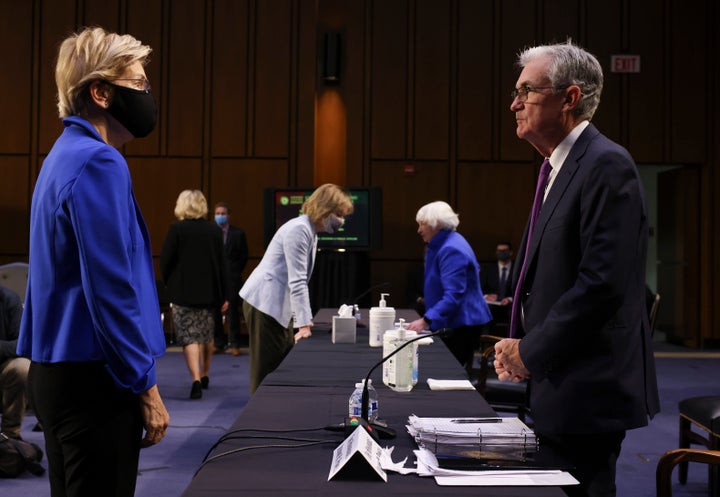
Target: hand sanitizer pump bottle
[382,318]
[398,370]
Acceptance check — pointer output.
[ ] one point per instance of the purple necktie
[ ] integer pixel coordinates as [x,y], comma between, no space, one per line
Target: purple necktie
[537,204]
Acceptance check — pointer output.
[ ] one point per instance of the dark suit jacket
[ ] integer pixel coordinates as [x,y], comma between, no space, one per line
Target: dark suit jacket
[490,280]
[236,249]
[587,342]
[192,263]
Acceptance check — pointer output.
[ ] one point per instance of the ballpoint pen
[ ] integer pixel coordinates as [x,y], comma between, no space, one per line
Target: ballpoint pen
[477,420]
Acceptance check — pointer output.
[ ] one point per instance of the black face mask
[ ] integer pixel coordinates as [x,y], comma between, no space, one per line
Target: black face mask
[134,109]
[503,255]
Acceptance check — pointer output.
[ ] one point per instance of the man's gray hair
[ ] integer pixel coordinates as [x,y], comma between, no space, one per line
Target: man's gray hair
[571,65]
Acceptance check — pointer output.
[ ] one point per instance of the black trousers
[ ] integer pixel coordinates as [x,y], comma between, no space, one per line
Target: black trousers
[594,457]
[270,342]
[92,429]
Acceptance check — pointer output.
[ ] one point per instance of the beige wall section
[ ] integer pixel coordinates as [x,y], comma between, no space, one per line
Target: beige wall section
[423,84]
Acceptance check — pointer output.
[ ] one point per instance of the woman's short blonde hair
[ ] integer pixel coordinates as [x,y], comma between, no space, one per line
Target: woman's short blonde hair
[191,204]
[436,214]
[325,200]
[92,54]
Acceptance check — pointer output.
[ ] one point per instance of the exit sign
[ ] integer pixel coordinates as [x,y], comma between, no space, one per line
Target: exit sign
[624,63]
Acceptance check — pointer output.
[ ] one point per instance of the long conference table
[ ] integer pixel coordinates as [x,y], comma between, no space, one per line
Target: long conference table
[310,390]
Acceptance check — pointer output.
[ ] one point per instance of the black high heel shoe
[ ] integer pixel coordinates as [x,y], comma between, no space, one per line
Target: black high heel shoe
[196,390]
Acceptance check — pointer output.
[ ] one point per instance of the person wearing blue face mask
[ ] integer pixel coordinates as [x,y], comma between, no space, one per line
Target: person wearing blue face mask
[276,295]
[236,249]
[91,325]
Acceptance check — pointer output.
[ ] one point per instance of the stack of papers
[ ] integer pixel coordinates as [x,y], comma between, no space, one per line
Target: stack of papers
[476,438]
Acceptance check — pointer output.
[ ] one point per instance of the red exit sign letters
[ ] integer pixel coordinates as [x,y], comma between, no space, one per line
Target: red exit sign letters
[624,63]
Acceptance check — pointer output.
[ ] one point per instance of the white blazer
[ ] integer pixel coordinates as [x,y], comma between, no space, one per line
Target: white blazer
[278,286]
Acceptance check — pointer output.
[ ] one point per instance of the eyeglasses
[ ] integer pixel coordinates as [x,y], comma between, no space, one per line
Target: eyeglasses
[522,93]
[140,84]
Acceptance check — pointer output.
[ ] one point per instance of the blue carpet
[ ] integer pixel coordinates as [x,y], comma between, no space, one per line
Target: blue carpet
[166,469]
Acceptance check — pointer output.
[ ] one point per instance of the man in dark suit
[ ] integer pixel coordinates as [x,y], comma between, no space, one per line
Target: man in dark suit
[579,327]
[496,282]
[237,255]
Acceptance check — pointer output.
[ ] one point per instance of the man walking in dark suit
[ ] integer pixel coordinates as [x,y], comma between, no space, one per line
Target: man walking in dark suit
[237,255]
[579,331]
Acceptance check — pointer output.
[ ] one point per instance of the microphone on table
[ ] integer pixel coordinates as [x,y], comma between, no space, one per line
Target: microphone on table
[384,431]
[384,284]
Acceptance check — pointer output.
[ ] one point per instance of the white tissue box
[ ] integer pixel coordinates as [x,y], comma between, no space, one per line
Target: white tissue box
[343,329]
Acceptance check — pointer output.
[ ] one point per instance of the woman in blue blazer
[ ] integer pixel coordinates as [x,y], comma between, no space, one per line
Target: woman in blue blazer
[91,324]
[453,297]
[275,297]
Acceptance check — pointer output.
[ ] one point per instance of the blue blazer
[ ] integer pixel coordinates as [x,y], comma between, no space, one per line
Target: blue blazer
[453,297]
[91,293]
[278,286]
[587,341]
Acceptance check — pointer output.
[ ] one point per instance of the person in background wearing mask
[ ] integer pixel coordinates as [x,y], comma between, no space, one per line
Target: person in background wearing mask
[91,324]
[276,295]
[236,249]
[496,281]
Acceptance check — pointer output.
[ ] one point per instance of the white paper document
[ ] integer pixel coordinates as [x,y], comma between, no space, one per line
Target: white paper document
[449,384]
[427,465]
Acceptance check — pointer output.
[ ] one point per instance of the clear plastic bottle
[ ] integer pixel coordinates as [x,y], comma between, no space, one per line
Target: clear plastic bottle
[355,402]
[400,369]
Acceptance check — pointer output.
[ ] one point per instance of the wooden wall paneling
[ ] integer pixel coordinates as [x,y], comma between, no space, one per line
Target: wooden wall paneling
[230,78]
[105,14]
[405,277]
[604,37]
[688,81]
[185,86]
[516,30]
[52,33]
[273,58]
[710,293]
[494,201]
[241,183]
[403,196]
[355,74]
[561,19]
[157,182]
[477,90]
[431,106]
[16,33]
[647,91]
[389,80]
[14,202]
[305,80]
[145,21]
